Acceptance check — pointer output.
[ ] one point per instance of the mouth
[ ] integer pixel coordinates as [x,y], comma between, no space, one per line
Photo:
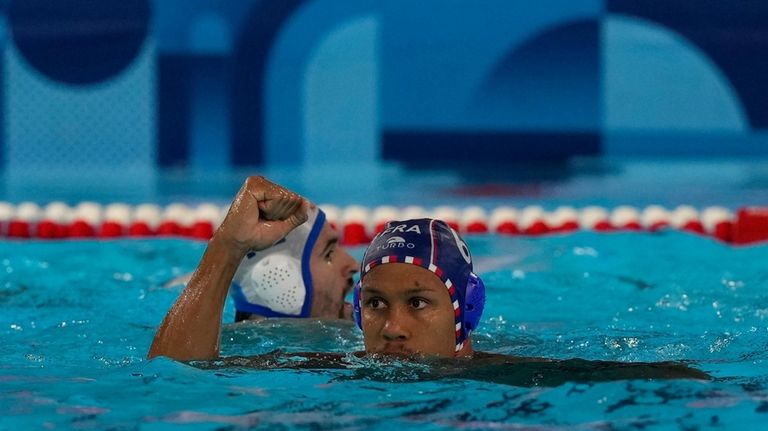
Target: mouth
[345,312]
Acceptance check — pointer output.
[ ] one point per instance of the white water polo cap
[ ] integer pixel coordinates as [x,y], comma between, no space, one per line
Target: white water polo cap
[277,282]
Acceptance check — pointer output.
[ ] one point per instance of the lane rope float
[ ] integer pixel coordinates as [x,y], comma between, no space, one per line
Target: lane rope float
[358,224]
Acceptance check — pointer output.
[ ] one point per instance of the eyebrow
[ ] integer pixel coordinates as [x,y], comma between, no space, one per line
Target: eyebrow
[413,291]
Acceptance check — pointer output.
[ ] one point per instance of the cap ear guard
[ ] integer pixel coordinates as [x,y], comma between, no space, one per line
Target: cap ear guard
[272,287]
[474,303]
[356,312]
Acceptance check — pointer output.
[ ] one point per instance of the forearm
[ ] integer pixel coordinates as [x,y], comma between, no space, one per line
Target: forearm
[192,327]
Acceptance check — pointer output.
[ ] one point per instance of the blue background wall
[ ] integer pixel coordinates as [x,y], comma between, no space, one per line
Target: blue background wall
[211,85]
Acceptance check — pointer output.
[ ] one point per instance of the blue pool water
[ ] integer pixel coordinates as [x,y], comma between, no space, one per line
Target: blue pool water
[78,317]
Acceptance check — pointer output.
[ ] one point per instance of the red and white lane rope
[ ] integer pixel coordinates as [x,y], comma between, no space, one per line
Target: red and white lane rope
[358,224]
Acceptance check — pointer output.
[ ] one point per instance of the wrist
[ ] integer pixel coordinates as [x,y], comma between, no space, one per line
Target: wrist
[227,248]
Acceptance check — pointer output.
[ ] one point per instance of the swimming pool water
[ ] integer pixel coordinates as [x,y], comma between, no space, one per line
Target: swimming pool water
[78,317]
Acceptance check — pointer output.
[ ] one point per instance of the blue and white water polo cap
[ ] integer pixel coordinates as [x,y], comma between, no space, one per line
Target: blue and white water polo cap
[433,245]
[277,281]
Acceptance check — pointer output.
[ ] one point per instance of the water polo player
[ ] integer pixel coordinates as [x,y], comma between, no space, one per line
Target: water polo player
[306,274]
[270,267]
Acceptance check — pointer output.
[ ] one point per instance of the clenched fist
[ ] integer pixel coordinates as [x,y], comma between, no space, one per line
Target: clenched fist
[261,214]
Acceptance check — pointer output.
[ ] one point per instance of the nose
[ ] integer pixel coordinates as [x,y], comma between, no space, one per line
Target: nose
[396,326]
[349,264]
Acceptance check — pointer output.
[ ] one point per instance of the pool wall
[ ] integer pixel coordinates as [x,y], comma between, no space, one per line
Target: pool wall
[131,86]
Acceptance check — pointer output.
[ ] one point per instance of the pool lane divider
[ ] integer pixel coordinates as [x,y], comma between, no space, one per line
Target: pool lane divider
[358,224]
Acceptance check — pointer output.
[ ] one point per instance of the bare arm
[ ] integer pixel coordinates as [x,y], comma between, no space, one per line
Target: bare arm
[261,214]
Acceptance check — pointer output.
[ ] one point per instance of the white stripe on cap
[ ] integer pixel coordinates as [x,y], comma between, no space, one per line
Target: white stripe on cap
[408,259]
[432,251]
[385,259]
